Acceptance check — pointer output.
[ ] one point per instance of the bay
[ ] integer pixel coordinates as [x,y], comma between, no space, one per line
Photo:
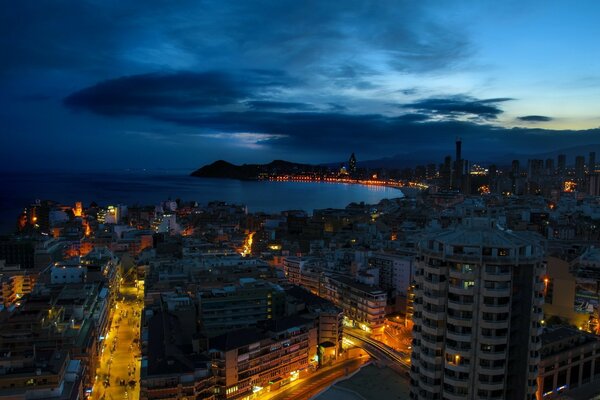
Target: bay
[19,189]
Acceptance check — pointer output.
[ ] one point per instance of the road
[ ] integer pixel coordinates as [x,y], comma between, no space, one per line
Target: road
[305,388]
[118,374]
[377,349]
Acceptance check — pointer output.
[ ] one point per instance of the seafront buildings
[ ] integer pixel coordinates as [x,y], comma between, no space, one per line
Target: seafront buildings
[478,283]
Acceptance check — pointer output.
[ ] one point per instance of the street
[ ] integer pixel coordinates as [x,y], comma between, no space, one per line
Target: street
[118,374]
[305,388]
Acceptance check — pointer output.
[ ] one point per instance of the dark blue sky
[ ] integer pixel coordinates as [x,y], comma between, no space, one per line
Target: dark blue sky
[176,84]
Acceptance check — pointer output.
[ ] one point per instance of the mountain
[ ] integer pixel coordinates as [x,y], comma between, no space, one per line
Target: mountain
[224,169]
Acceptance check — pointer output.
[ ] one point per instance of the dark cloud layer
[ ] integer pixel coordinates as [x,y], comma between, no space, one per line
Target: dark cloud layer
[229,104]
[104,37]
[459,106]
[278,105]
[310,78]
[534,118]
[146,93]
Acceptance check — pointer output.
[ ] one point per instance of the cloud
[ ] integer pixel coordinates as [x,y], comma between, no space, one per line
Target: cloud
[456,106]
[106,38]
[147,93]
[534,118]
[278,105]
[250,109]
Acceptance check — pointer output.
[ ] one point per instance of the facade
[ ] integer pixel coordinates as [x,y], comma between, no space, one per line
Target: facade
[363,305]
[329,318]
[232,307]
[251,360]
[477,313]
[395,272]
[40,375]
[570,359]
[65,274]
[294,267]
[560,293]
[14,284]
[176,370]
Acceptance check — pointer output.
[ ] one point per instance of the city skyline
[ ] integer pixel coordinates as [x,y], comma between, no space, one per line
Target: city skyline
[99,85]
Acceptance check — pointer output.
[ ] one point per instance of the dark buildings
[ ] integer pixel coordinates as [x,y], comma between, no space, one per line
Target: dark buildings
[352,164]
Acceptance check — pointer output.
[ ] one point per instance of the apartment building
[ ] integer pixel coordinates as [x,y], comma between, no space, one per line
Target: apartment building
[477,312]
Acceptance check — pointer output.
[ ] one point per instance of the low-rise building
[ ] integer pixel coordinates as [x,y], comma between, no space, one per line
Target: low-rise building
[39,375]
[234,306]
[570,358]
[363,305]
[255,359]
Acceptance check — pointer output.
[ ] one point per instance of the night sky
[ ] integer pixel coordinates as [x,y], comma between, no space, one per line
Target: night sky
[176,84]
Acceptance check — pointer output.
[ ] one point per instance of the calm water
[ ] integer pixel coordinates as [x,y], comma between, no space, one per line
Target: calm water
[20,189]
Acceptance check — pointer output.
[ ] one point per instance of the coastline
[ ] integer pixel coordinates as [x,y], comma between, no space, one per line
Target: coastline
[147,187]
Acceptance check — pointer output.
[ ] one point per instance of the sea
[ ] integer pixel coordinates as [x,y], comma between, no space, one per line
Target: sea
[20,189]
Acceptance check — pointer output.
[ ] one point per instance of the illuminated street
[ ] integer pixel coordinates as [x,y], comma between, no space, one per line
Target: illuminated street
[398,359]
[306,388]
[118,374]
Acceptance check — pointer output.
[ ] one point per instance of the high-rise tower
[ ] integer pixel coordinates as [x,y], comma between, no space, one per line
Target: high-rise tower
[562,164]
[458,166]
[580,168]
[477,314]
[352,164]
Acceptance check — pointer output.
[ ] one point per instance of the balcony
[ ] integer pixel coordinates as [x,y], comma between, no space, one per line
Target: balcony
[430,372]
[489,370]
[494,324]
[429,386]
[437,300]
[461,290]
[451,396]
[493,339]
[469,275]
[456,382]
[491,385]
[497,277]
[433,285]
[459,337]
[457,367]
[496,292]
[434,269]
[426,342]
[505,308]
[455,305]
[434,315]
[496,355]
[460,321]
[432,330]
[430,359]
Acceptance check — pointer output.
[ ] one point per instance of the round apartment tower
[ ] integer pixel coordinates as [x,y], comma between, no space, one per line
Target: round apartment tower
[477,313]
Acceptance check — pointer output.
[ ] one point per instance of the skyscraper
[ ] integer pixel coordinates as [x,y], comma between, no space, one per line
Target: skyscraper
[477,313]
[352,164]
[458,166]
[592,162]
[549,166]
[446,172]
[580,167]
[515,172]
[562,164]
